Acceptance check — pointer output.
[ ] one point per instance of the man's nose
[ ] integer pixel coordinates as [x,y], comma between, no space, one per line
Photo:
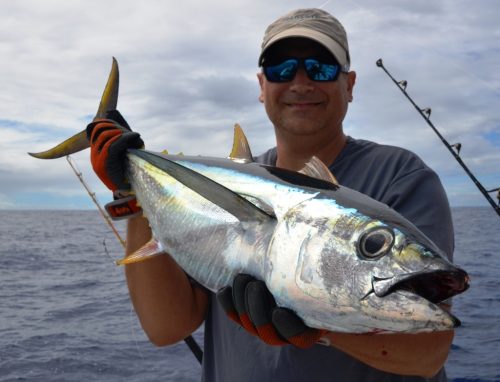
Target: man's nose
[301,82]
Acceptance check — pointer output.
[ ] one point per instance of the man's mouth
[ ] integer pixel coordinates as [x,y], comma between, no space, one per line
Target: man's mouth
[302,105]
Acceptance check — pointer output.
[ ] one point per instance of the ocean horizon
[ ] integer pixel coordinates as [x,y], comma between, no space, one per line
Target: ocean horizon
[66,314]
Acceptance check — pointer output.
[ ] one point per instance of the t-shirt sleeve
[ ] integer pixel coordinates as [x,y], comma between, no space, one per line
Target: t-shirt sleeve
[419,196]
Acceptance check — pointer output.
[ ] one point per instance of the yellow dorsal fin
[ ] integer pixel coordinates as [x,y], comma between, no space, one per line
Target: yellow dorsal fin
[317,169]
[241,149]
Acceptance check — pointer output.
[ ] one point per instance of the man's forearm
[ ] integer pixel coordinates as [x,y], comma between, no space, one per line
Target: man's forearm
[421,354]
[168,306]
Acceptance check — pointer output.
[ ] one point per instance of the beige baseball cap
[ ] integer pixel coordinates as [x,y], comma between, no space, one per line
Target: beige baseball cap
[315,24]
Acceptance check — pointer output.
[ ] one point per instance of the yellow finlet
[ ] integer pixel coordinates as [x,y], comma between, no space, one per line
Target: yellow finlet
[241,149]
[317,169]
[165,152]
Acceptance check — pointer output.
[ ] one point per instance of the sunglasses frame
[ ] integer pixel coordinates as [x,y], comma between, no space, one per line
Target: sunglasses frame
[300,62]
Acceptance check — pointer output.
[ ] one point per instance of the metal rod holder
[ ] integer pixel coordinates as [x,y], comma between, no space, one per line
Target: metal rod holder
[453,149]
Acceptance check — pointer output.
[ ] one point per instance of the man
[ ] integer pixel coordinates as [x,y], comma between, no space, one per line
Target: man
[305,87]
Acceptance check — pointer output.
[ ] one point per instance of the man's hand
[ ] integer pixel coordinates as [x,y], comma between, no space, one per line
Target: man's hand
[109,139]
[250,304]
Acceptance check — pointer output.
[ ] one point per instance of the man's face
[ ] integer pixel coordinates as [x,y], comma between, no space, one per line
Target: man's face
[303,106]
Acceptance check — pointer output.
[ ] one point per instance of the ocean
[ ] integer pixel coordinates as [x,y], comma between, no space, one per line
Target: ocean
[65,314]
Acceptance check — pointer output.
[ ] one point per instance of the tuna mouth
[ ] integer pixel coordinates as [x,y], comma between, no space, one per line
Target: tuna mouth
[435,286]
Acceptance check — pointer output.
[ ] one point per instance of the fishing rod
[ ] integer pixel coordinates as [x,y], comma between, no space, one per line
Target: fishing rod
[94,199]
[189,340]
[454,149]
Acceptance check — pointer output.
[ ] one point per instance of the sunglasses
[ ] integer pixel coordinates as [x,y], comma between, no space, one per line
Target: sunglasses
[316,70]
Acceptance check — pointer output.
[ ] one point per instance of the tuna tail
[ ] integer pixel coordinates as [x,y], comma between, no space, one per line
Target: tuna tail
[79,142]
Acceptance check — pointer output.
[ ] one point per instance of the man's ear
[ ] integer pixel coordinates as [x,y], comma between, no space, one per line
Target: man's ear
[260,77]
[351,81]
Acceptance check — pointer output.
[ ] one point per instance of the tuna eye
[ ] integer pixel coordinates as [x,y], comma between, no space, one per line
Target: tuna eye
[375,243]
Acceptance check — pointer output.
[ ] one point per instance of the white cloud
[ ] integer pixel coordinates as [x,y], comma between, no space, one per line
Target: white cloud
[188,74]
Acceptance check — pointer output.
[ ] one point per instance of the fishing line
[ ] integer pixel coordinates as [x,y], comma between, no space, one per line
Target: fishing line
[189,340]
[131,315]
[106,217]
[133,321]
[107,252]
[324,4]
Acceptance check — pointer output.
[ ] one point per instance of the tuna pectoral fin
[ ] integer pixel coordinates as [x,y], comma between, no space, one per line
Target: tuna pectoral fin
[150,249]
[216,193]
[77,142]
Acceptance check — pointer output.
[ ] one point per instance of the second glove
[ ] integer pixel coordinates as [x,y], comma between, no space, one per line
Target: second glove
[250,304]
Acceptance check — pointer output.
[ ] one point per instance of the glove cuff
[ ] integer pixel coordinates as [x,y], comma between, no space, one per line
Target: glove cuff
[123,208]
[123,193]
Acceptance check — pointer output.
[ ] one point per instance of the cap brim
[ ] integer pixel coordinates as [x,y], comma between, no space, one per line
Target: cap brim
[333,46]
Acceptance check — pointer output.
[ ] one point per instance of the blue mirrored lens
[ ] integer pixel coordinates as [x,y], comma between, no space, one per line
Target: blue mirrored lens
[315,69]
[282,72]
[318,71]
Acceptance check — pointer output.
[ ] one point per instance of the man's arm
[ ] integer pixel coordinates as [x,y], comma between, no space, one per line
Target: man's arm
[249,303]
[421,354]
[168,305]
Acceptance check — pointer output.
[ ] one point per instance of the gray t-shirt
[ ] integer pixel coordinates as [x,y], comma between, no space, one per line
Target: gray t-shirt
[389,174]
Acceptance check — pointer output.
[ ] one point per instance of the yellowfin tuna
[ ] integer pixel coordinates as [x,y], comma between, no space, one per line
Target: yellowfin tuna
[341,260]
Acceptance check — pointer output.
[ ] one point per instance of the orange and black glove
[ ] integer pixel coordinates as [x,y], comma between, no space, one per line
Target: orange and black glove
[250,304]
[109,138]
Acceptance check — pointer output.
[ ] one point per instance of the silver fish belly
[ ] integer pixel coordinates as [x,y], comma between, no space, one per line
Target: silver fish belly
[308,253]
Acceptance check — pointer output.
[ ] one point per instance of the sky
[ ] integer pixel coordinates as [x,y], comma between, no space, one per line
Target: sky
[188,74]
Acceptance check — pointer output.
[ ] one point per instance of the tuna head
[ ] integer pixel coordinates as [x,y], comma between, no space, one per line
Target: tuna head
[358,272]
